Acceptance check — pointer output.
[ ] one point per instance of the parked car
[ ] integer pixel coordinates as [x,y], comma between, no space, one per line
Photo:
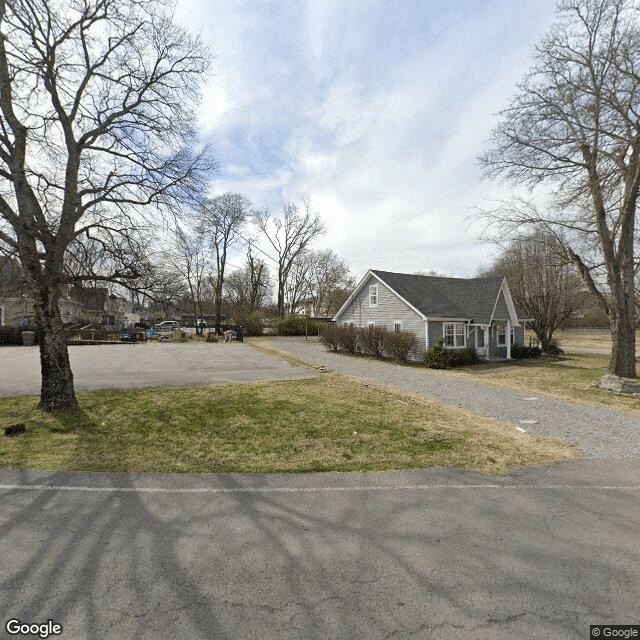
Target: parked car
[202,324]
[167,325]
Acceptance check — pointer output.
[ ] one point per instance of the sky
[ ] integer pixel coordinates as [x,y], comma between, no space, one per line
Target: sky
[375,111]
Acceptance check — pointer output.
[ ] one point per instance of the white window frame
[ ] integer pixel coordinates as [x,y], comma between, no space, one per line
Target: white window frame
[501,335]
[373,295]
[458,338]
[397,326]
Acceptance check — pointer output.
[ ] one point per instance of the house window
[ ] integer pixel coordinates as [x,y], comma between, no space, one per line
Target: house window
[454,334]
[373,295]
[397,326]
[502,335]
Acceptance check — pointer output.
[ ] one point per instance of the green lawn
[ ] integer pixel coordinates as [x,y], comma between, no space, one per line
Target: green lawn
[331,423]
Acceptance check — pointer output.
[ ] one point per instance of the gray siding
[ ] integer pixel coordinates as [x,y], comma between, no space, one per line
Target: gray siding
[501,312]
[390,309]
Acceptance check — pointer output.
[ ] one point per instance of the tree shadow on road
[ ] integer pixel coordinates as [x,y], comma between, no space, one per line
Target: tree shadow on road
[239,556]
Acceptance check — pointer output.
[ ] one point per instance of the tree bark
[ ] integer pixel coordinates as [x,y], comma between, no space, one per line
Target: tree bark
[56,393]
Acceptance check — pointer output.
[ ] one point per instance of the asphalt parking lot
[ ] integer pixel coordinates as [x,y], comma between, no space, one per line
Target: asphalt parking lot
[150,364]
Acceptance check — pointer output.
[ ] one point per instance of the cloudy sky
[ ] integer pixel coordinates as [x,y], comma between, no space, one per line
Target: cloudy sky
[374,110]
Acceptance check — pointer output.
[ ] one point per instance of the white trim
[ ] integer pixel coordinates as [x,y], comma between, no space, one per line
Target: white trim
[397,323]
[374,292]
[504,288]
[359,288]
[455,326]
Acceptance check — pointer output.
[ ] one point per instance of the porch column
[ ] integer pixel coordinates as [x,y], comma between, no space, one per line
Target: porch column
[507,338]
[486,341]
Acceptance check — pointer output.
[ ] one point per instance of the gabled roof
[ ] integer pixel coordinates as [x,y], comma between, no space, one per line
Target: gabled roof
[472,299]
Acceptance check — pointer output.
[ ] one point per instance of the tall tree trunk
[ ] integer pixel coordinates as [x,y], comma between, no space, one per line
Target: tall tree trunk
[218,303]
[623,337]
[56,393]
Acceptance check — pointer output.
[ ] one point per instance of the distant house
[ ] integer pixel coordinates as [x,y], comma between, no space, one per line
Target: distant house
[77,304]
[474,312]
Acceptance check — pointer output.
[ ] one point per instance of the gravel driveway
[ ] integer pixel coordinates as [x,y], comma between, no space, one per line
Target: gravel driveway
[600,432]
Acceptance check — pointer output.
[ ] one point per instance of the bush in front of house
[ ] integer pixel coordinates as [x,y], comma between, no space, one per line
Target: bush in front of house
[437,357]
[400,344]
[462,357]
[349,338]
[373,339]
[330,337]
[519,351]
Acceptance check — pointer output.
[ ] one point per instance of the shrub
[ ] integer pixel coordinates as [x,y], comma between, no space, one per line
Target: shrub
[518,351]
[552,347]
[440,358]
[294,326]
[330,337]
[401,344]
[373,339]
[251,325]
[10,335]
[463,357]
[437,357]
[349,338]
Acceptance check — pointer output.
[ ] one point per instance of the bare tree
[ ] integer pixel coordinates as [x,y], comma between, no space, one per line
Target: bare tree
[247,289]
[542,282]
[223,217]
[290,235]
[574,126]
[97,125]
[329,281]
[190,258]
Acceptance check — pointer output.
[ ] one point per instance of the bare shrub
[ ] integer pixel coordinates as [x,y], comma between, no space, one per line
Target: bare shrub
[373,339]
[349,338]
[401,345]
[330,337]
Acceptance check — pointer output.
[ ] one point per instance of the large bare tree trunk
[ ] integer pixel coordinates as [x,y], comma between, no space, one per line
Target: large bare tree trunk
[56,393]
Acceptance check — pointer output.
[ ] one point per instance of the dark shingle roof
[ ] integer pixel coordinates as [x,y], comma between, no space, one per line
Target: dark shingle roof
[438,297]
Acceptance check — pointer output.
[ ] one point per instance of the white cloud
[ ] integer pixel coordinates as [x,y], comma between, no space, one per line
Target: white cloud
[375,111]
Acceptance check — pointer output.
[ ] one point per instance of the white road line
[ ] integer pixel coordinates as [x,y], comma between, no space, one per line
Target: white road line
[222,490]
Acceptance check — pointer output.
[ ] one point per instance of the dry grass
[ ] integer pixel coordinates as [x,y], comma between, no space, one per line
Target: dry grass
[304,425]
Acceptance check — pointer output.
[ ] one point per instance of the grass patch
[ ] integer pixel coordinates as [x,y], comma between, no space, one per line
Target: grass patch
[294,426]
[568,377]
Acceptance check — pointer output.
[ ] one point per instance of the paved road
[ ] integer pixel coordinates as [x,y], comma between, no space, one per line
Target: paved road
[123,366]
[433,554]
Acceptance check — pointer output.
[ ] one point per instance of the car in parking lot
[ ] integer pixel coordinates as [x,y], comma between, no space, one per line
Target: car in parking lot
[167,325]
